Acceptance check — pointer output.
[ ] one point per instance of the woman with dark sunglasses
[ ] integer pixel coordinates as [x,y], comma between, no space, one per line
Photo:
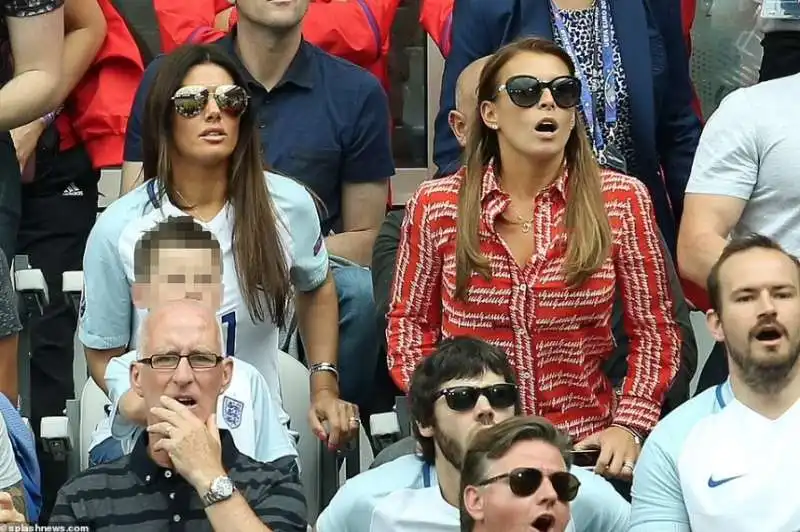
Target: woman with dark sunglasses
[525,247]
[632,60]
[202,158]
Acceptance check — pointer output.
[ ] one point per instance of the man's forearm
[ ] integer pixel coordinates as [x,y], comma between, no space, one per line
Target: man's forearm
[80,48]
[355,246]
[234,515]
[97,361]
[133,408]
[318,320]
[27,97]
[696,258]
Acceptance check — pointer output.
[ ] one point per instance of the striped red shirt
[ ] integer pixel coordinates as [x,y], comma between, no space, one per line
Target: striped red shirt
[556,337]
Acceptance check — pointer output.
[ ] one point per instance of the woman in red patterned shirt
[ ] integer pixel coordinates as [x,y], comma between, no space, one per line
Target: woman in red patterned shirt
[525,246]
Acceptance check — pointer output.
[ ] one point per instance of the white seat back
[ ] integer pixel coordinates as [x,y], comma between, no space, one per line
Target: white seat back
[295,395]
[93,402]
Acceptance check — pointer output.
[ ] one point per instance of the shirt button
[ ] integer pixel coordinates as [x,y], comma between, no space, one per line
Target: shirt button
[147,478]
[172,496]
[176,518]
[168,474]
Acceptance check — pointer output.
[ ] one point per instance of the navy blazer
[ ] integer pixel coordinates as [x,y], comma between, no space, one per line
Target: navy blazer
[664,128]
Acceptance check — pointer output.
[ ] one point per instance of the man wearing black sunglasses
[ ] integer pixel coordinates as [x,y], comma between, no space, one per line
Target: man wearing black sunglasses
[515,476]
[464,387]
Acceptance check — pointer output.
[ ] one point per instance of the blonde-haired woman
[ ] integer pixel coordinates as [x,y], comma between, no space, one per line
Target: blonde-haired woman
[525,247]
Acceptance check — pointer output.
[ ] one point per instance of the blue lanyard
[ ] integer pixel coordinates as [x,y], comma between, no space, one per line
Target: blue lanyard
[426,475]
[609,76]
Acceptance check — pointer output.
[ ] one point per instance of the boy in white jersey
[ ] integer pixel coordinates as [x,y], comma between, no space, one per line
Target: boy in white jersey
[179,259]
[721,462]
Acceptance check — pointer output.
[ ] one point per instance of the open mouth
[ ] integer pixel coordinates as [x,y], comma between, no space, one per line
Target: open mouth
[769,333]
[546,125]
[544,523]
[186,401]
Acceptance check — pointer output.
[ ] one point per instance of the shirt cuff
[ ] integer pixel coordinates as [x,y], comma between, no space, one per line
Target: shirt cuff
[637,413]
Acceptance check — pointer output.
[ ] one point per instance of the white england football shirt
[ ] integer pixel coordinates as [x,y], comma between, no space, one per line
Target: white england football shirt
[715,465]
[107,316]
[736,470]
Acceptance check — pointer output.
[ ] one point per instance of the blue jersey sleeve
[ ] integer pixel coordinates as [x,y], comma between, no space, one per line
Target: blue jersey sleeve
[657,497]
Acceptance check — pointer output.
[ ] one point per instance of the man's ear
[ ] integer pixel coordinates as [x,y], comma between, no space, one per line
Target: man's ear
[136,379]
[458,125]
[473,502]
[714,325]
[425,432]
[227,374]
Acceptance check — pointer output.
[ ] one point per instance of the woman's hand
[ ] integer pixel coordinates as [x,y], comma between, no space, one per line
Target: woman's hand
[619,450]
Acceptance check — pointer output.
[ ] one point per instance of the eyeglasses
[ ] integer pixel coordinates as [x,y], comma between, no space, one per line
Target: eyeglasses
[191,100]
[524,482]
[526,91]
[463,398]
[171,360]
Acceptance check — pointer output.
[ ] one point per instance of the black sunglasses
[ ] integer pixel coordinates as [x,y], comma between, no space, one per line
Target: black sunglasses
[526,91]
[191,100]
[463,398]
[524,482]
[171,360]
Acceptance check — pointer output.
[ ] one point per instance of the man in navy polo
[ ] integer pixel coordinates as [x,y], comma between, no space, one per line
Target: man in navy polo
[325,122]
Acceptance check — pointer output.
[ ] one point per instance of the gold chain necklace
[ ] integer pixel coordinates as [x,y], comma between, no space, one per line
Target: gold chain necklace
[526,224]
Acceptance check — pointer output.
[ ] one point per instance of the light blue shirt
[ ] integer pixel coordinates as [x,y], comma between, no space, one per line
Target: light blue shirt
[598,507]
[657,496]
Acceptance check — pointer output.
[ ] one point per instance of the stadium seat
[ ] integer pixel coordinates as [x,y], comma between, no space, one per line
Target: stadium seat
[69,437]
[31,290]
[321,473]
[294,380]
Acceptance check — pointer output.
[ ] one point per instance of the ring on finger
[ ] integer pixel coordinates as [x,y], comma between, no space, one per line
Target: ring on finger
[628,465]
[355,420]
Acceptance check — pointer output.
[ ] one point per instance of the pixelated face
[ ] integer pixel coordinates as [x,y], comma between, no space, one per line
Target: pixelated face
[180,273]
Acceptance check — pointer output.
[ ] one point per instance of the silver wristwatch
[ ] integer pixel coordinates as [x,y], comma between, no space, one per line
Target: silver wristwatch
[221,489]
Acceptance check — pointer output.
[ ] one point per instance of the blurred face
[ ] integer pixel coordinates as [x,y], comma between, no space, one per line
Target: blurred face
[188,331]
[208,106]
[496,507]
[456,421]
[280,16]
[534,111]
[178,273]
[760,317]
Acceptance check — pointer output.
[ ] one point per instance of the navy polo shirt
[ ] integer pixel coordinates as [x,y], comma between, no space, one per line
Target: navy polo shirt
[325,123]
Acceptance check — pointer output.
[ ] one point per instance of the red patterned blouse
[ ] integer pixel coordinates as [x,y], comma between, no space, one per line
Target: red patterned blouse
[557,337]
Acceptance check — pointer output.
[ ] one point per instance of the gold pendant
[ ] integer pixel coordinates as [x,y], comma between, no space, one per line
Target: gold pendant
[526,227]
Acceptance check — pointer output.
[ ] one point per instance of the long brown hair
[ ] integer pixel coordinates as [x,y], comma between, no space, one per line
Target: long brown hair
[257,247]
[586,223]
